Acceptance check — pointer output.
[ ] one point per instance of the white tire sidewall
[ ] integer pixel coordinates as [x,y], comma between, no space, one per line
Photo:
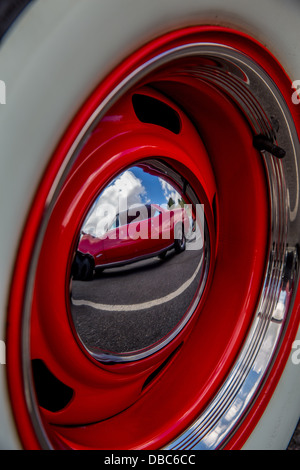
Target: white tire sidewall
[51,60]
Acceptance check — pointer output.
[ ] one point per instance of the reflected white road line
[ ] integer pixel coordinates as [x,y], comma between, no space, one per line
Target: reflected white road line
[143,305]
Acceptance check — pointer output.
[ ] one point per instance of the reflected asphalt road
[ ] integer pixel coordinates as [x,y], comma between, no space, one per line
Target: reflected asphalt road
[128,308]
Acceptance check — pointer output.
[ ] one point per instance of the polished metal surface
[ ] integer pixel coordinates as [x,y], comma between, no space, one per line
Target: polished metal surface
[266,111]
[140,265]
[268,114]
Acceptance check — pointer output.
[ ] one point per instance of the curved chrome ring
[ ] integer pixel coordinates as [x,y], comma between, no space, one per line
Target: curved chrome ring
[263,105]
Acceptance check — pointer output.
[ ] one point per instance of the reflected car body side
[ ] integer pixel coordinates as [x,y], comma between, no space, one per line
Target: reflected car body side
[136,239]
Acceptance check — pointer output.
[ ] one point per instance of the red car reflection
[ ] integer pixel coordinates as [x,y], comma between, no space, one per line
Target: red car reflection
[139,233]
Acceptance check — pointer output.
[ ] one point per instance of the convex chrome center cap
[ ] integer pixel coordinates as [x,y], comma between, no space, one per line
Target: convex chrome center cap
[141,263]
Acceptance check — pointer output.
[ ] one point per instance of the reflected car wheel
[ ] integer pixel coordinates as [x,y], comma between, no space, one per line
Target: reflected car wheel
[86,269]
[82,268]
[180,240]
[152,111]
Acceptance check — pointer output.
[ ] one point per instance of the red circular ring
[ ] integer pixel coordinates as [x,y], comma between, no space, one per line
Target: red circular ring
[203,34]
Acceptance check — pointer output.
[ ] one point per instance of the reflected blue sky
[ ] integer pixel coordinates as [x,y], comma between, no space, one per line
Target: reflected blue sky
[135,186]
[153,189]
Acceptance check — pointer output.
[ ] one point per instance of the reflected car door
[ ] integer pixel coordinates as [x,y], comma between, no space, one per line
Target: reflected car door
[160,227]
[118,246]
[140,231]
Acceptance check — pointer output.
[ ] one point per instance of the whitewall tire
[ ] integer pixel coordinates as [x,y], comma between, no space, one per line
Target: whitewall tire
[52,59]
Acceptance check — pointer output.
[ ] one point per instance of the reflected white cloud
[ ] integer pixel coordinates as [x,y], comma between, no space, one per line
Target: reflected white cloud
[172,197]
[125,191]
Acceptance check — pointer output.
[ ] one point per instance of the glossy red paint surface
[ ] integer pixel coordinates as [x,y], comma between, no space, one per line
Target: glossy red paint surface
[150,417]
[121,385]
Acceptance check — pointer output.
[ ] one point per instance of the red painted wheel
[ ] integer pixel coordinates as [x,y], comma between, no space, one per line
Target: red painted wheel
[204,112]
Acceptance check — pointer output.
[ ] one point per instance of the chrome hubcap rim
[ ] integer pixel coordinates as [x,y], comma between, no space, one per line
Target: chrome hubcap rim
[253,90]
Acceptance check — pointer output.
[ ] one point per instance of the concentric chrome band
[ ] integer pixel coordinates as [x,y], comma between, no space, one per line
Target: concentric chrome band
[259,99]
